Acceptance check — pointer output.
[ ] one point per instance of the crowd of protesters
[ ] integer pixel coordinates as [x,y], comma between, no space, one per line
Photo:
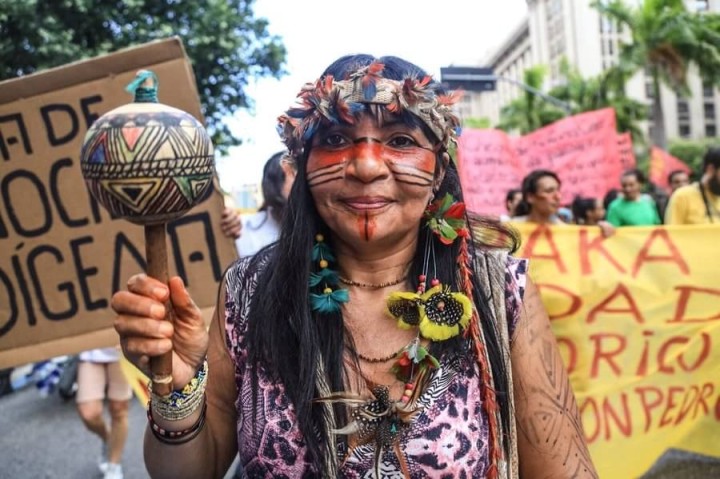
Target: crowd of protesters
[539,200]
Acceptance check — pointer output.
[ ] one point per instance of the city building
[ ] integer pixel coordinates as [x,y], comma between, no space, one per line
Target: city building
[554,30]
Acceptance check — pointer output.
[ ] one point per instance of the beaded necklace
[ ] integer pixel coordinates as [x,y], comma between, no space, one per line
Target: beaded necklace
[350,282]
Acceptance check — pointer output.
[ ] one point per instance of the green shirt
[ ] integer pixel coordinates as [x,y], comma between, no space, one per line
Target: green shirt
[640,212]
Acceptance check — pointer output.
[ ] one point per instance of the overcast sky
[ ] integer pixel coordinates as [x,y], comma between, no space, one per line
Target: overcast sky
[429,33]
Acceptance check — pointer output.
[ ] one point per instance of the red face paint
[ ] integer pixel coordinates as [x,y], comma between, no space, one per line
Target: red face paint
[366,226]
[324,158]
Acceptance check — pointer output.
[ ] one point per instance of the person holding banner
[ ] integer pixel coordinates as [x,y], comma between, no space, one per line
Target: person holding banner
[677,179]
[633,208]
[541,201]
[512,200]
[698,203]
[379,337]
[588,211]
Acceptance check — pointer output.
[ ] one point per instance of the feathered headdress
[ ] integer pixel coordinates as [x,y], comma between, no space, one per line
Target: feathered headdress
[329,101]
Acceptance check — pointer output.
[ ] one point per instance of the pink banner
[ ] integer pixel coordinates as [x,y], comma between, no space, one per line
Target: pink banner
[489,167]
[582,149]
[625,149]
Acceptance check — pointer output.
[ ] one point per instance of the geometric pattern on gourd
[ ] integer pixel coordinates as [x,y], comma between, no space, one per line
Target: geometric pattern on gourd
[142,197]
[188,167]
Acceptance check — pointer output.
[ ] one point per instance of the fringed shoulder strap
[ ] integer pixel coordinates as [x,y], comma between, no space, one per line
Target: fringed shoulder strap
[491,268]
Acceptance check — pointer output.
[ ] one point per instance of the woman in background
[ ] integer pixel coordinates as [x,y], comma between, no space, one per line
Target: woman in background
[540,199]
[588,211]
[263,227]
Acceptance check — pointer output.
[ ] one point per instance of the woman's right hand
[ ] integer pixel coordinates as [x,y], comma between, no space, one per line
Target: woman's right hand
[144,332]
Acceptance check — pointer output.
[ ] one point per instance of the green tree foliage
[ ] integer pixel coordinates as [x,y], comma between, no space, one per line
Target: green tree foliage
[666,40]
[691,151]
[479,123]
[226,44]
[530,111]
[606,90]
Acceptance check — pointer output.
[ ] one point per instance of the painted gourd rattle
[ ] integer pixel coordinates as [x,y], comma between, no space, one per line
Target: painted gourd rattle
[149,163]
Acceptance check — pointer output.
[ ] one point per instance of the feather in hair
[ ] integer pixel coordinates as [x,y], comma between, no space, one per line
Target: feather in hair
[369,78]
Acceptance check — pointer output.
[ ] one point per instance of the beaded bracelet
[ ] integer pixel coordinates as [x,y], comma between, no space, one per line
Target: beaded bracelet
[181,404]
[174,438]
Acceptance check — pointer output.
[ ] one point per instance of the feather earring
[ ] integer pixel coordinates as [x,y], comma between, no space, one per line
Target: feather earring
[329,300]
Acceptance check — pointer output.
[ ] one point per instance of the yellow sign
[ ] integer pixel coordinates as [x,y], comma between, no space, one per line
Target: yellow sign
[637,318]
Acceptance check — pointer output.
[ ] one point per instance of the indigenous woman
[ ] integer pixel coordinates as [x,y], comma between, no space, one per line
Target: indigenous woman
[375,338]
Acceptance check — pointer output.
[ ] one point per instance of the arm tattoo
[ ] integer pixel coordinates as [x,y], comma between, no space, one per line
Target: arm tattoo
[552,422]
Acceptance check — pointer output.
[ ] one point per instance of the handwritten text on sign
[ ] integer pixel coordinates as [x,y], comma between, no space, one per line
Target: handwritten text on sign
[581,149]
[637,318]
[65,255]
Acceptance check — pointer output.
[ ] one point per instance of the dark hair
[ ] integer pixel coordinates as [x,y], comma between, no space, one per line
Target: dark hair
[529,187]
[511,194]
[272,184]
[580,208]
[286,337]
[609,197]
[712,157]
[674,173]
[639,175]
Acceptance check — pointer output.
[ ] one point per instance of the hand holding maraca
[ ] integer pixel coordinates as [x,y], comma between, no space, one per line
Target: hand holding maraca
[150,163]
[144,333]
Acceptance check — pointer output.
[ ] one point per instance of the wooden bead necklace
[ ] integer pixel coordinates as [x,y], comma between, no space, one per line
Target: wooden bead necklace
[350,282]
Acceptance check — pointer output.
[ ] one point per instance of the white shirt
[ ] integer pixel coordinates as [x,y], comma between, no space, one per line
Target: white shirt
[259,230]
[102,355]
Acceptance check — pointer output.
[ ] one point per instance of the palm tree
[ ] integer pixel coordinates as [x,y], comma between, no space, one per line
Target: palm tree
[530,111]
[602,91]
[666,40]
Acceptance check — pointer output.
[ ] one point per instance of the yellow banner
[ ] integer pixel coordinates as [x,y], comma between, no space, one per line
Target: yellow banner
[637,318]
[137,380]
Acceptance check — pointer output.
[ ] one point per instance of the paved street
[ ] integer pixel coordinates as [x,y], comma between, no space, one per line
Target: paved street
[43,438]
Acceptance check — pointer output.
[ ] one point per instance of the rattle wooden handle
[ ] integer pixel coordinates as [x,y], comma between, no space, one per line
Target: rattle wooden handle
[157,267]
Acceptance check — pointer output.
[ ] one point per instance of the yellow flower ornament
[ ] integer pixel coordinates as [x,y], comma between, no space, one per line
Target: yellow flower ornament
[439,313]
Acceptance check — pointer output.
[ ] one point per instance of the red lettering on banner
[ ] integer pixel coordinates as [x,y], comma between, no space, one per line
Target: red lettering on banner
[707,391]
[532,240]
[572,353]
[669,405]
[605,417]
[595,245]
[608,412]
[648,406]
[643,364]
[685,293]
[691,399]
[590,402]
[674,255]
[631,308]
[599,354]
[575,301]
[682,340]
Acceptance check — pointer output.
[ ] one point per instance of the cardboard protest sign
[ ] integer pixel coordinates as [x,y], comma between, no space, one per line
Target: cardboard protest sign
[63,255]
[637,320]
[582,149]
